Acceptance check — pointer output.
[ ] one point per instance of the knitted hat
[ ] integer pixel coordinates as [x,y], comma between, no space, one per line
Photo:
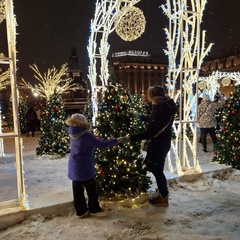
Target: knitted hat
[79,117]
[205,97]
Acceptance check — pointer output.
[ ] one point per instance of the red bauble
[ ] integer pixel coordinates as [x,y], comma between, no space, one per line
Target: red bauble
[215,154]
[235,158]
[233,111]
[102,172]
[117,107]
[223,129]
[57,108]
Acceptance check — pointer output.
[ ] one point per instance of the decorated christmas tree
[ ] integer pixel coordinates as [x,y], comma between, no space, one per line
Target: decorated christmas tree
[22,115]
[54,139]
[119,171]
[227,148]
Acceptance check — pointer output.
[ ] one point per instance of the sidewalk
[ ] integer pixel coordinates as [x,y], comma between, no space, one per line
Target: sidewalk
[47,186]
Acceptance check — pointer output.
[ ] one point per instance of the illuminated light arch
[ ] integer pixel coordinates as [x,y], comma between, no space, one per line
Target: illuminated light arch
[185,51]
[98,47]
[6,12]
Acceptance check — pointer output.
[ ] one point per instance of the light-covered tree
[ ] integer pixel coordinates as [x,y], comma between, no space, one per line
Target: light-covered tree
[4,79]
[53,81]
[54,138]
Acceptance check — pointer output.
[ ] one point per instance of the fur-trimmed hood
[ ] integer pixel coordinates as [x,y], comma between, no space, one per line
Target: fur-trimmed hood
[77,123]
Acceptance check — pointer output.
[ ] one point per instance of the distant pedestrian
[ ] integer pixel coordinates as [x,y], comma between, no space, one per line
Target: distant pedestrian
[31,118]
[207,120]
[39,115]
[199,102]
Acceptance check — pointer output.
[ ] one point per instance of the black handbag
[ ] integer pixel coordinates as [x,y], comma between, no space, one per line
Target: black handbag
[145,142]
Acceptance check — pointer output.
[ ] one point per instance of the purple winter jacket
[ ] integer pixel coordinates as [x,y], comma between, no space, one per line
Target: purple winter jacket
[81,158]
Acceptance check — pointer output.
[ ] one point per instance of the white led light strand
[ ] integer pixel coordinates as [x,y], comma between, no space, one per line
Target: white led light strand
[98,47]
[11,61]
[185,51]
[211,85]
[53,81]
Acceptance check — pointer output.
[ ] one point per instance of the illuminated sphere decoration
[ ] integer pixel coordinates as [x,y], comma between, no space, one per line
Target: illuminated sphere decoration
[130,23]
[201,85]
[226,81]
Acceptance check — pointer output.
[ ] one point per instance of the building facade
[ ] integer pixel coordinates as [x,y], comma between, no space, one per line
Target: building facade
[138,70]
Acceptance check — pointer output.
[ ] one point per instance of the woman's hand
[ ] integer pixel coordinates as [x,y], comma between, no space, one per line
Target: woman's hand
[123,140]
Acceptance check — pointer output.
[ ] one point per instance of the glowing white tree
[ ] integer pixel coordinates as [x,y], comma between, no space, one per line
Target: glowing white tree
[4,80]
[185,51]
[53,81]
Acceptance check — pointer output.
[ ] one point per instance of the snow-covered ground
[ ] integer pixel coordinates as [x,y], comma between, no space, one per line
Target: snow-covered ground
[204,207]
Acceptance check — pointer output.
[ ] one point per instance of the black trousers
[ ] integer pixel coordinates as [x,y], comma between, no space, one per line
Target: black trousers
[155,161]
[204,132]
[79,199]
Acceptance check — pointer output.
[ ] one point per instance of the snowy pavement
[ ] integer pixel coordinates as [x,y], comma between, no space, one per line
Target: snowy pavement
[47,185]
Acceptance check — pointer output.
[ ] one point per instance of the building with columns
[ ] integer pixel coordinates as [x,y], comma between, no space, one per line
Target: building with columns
[138,70]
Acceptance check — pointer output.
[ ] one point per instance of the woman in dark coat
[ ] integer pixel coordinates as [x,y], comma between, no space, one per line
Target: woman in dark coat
[159,130]
[31,117]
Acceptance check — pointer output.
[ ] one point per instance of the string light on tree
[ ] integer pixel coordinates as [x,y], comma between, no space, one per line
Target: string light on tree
[4,80]
[119,169]
[53,81]
[227,147]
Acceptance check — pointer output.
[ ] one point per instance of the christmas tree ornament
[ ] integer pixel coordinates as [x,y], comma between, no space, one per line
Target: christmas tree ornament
[130,23]
[226,81]
[117,107]
[201,85]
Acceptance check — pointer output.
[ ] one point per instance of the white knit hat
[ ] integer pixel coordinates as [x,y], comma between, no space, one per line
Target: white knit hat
[205,97]
[79,117]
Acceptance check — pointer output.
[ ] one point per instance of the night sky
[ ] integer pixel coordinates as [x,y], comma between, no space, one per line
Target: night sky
[47,30]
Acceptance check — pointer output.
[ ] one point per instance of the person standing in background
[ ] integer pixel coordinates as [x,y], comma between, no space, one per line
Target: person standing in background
[31,118]
[39,115]
[207,120]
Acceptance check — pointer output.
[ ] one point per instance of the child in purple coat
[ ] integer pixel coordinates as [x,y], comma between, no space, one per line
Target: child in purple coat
[81,168]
